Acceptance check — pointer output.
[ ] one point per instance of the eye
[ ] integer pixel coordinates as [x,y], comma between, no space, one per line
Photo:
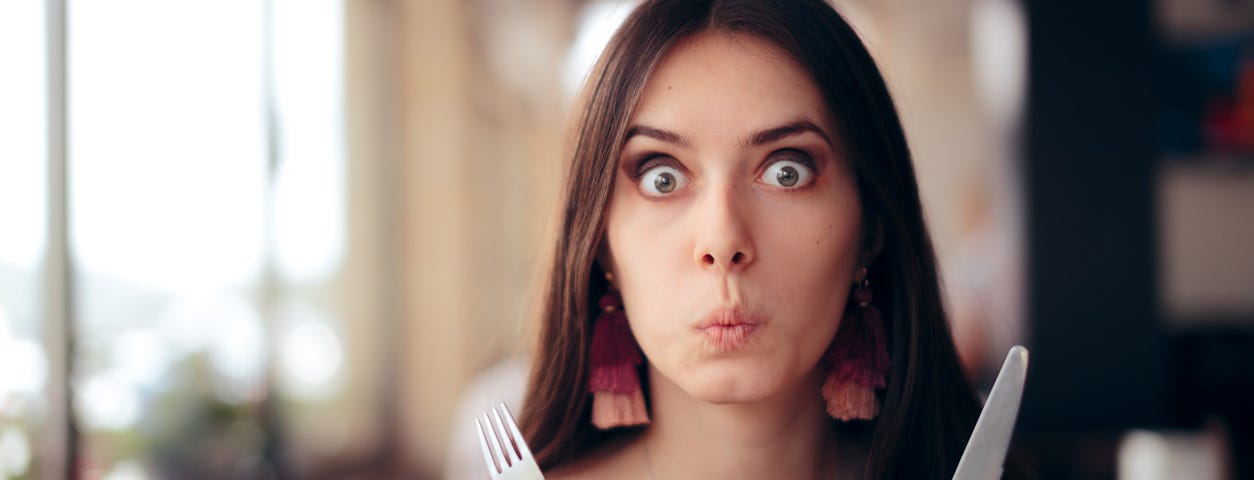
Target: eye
[661,180]
[790,170]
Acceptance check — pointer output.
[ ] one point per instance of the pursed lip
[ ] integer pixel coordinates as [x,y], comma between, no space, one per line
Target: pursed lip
[728,328]
[728,317]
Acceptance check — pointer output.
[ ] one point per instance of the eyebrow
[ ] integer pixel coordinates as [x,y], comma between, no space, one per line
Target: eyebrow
[760,138]
[781,132]
[656,133]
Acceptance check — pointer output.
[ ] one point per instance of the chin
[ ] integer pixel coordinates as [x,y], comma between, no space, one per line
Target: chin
[723,385]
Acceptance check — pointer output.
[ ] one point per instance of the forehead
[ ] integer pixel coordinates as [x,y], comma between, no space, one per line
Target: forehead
[729,81]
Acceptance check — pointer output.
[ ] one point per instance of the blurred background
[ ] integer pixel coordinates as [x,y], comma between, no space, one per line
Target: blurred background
[302,238]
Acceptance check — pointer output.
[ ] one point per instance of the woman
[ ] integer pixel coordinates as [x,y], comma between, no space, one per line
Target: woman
[744,287]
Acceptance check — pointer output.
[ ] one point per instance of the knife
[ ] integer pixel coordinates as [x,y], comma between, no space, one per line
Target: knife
[986,450]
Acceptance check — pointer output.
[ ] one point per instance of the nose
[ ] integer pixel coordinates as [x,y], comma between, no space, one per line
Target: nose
[724,240]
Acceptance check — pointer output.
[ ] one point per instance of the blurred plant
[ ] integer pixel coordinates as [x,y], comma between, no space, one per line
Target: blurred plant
[189,431]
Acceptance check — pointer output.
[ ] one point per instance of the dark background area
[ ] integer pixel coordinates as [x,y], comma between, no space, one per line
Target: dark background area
[1102,79]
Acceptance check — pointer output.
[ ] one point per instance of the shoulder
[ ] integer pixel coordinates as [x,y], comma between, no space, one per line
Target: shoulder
[620,459]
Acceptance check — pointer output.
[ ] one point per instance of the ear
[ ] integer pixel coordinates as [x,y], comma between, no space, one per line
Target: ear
[872,243]
[605,260]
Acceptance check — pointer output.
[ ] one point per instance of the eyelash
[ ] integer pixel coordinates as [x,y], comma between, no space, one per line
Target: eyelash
[794,155]
[650,161]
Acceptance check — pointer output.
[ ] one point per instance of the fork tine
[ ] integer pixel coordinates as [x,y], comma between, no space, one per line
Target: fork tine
[517,435]
[494,439]
[493,469]
[507,445]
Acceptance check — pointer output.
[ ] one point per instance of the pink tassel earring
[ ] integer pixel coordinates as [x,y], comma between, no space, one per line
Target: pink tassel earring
[859,359]
[615,384]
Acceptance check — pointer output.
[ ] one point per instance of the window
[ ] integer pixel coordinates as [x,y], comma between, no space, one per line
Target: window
[206,218]
[23,141]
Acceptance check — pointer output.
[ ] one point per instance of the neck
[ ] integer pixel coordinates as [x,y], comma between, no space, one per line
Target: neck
[786,436]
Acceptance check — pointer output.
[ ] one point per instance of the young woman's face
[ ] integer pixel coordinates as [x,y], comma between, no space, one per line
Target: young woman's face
[734,229]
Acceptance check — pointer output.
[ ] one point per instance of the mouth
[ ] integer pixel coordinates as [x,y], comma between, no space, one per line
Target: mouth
[728,328]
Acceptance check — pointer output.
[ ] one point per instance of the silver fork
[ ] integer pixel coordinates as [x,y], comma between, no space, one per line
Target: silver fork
[504,450]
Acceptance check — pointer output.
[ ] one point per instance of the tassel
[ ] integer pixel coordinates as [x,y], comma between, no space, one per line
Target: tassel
[860,353]
[612,343]
[610,409]
[847,400]
[860,363]
[614,378]
[617,400]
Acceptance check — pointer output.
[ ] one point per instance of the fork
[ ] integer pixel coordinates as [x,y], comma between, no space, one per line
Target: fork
[504,450]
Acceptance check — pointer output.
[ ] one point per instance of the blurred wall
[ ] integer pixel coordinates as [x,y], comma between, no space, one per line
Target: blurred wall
[479,111]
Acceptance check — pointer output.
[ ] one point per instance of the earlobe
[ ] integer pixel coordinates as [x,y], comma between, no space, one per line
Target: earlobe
[604,262]
[873,244]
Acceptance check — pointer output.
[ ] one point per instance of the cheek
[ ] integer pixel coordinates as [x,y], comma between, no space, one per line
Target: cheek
[639,238]
[647,249]
[815,258]
[810,266]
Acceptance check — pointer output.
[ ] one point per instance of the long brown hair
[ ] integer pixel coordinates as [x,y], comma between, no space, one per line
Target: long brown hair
[928,407]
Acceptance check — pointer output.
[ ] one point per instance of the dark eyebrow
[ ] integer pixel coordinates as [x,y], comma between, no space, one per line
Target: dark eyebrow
[756,140]
[784,131]
[663,135]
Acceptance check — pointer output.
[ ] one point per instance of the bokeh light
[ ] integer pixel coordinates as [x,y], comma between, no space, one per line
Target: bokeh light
[23,360]
[15,452]
[237,352]
[107,403]
[310,353]
[126,470]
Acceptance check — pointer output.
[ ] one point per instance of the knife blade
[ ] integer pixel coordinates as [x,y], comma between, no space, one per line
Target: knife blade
[986,450]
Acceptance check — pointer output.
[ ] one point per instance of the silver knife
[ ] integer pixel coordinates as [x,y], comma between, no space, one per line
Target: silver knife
[986,450]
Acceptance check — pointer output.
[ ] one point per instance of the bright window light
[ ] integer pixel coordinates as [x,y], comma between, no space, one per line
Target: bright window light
[597,24]
[309,186]
[167,145]
[23,134]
